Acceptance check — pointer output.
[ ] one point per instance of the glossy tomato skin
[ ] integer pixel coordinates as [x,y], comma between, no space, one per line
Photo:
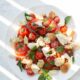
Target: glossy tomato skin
[54,29]
[50,58]
[39,55]
[32,36]
[30,72]
[21,49]
[54,44]
[34,19]
[63,29]
[42,31]
[56,19]
[23,31]
[47,22]
[32,26]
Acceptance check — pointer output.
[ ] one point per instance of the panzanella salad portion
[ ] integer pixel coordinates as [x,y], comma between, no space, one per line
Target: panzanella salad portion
[42,45]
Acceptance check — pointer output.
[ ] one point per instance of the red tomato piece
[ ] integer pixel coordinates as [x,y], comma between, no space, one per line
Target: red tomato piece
[34,27]
[30,72]
[54,44]
[63,29]
[32,36]
[34,19]
[50,58]
[39,55]
[21,49]
[42,31]
[54,29]
[47,22]
[23,31]
[56,19]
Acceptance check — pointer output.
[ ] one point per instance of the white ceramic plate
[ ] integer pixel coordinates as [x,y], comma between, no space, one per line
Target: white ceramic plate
[11,33]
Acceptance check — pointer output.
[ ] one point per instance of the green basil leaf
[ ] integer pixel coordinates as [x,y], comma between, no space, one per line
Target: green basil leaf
[60,49]
[20,65]
[45,75]
[27,16]
[34,48]
[50,52]
[42,77]
[46,64]
[67,19]
[48,77]
[52,63]
[32,55]
[45,71]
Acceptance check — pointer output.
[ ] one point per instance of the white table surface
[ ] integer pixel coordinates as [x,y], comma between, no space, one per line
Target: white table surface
[9,10]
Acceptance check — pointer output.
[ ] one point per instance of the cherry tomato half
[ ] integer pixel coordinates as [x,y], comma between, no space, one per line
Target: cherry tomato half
[32,36]
[30,72]
[42,31]
[23,31]
[21,49]
[63,29]
[56,19]
[47,22]
[39,55]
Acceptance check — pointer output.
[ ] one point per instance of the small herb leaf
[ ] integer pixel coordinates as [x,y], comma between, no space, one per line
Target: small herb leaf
[34,48]
[20,65]
[32,55]
[67,19]
[52,62]
[60,49]
[50,52]
[27,16]
[42,77]
[45,75]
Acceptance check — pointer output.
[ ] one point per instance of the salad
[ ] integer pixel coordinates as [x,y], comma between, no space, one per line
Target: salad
[42,45]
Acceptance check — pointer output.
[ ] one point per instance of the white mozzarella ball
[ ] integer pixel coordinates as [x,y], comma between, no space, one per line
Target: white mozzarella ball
[35,68]
[59,61]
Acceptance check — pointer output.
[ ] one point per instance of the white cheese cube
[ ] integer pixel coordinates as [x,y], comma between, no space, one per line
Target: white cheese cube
[40,63]
[46,50]
[59,61]
[65,56]
[25,40]
[27,61]
[62,38]
[53,52]
[35,68]
[52,72]
[40,41]
[31,45]
[69,31]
